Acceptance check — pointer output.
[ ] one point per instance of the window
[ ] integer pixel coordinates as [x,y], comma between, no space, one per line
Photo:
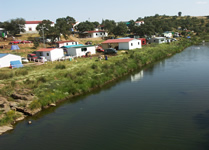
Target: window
[66,43]
[96,33]
[41,54]
[72,43]
[30,29]
[84,49]
[47,54]
[100,33]
[131,44]
[138,43]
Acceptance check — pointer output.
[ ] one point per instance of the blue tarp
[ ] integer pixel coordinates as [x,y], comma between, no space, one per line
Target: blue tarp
[16,64]
[14,47]
[69,46]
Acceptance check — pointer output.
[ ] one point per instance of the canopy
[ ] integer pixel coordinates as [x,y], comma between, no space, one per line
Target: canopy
[14,47]
[16,64]
[69,46]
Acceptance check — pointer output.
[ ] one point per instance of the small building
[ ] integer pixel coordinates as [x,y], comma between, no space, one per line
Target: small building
[66,43]
[158,40]
[168,34]
[94,34]
[122,44]
[143,40]
[139,23]
[6,59]
[79,51]
[51,54]
[30,26]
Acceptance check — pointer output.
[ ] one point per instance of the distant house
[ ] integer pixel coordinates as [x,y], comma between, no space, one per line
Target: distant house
[94,34]
[122,44]
[66,43]
[6,59]
[168,34]
[139,23]
[30,26]
[143,40]
[51,54]
[79,51]
[3,32]
[158,40]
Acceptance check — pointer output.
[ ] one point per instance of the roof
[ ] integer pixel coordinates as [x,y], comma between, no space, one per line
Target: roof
[69,46]
[33,22]
[3,54]
[94,31]
[118,41]
[139,21]
[45,49]
[83,46]
[65,41]
[16,64]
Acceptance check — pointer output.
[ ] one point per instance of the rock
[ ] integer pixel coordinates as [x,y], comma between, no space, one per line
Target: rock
[6,128]
[30,112]
[29,122]
[4,105]
[53,105]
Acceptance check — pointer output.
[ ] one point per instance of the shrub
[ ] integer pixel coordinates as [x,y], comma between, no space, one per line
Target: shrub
[94,66]
[19,72]
[6,75]
[60,66]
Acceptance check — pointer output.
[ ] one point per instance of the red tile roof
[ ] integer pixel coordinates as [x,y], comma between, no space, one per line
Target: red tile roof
[117,41]
[60,42]
[45,49]
[34,22]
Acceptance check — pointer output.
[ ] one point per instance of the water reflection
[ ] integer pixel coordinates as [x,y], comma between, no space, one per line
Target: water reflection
[137,77]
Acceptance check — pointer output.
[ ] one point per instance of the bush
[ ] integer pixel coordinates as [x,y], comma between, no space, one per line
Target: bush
[60,66]
[19,72]
[6,75]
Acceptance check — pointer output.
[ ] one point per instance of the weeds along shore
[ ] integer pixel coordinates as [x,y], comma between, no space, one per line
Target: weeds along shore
[29,89]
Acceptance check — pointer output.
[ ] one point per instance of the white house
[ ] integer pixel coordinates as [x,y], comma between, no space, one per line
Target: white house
[81,50]
[95,34]
[66,43]
[139,23]
[5,59]
[51,54]
[158,40]
[122,44]
[168,34]
[30,26]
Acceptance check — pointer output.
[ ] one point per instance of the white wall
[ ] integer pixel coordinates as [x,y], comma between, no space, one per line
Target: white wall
[67,43]
[52,55]
[130,45]
[5,61]
[32,26]
[73,51]
[98,34]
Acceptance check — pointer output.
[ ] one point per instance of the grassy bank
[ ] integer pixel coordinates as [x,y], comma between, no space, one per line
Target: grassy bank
[56,81]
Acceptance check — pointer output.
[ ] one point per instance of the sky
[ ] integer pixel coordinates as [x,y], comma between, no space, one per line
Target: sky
[96,10]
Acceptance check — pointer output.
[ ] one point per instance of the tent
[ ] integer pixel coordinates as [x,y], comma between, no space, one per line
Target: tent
[14,47]
[16,64]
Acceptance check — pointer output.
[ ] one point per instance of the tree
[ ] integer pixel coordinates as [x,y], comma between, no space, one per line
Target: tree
[131,25]
[120,30]
[96,24]
[179,14]
[109,25]
[14,26]
[85,26]
[45,28]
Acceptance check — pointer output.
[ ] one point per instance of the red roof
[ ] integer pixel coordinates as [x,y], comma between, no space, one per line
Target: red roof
[117,41]
[45,49]
[60,42]
[32,22]
[94,31]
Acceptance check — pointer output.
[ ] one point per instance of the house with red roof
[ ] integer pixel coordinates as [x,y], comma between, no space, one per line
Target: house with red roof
[94,34]
[51,54]
[122,44]
[30,26]
[66,43]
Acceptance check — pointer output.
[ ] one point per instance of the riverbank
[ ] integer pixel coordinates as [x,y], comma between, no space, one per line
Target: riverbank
[30,89]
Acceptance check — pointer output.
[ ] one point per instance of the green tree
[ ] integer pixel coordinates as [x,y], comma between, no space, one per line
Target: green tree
[15,26]
[179,14]
[120,30]
[131,25]
[85,26]
[44,28]
[109,25]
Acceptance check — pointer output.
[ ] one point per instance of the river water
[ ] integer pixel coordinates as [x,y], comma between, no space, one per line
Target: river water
[165,106]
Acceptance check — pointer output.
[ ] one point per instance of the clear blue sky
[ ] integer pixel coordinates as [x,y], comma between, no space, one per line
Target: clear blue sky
[95,10]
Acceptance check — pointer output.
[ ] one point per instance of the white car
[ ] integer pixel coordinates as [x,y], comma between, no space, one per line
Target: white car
[42,59]
[24,60]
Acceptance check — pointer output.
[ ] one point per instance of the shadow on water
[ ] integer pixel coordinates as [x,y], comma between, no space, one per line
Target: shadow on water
[202,122]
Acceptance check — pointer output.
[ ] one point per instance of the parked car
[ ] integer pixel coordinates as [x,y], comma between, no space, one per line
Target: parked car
[110,51]
[32,57]
[42,59]
[24,60]
[25,41]
[100,49]
[15,42]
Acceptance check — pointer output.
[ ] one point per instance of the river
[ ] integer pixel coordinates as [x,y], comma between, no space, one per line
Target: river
[165,106]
